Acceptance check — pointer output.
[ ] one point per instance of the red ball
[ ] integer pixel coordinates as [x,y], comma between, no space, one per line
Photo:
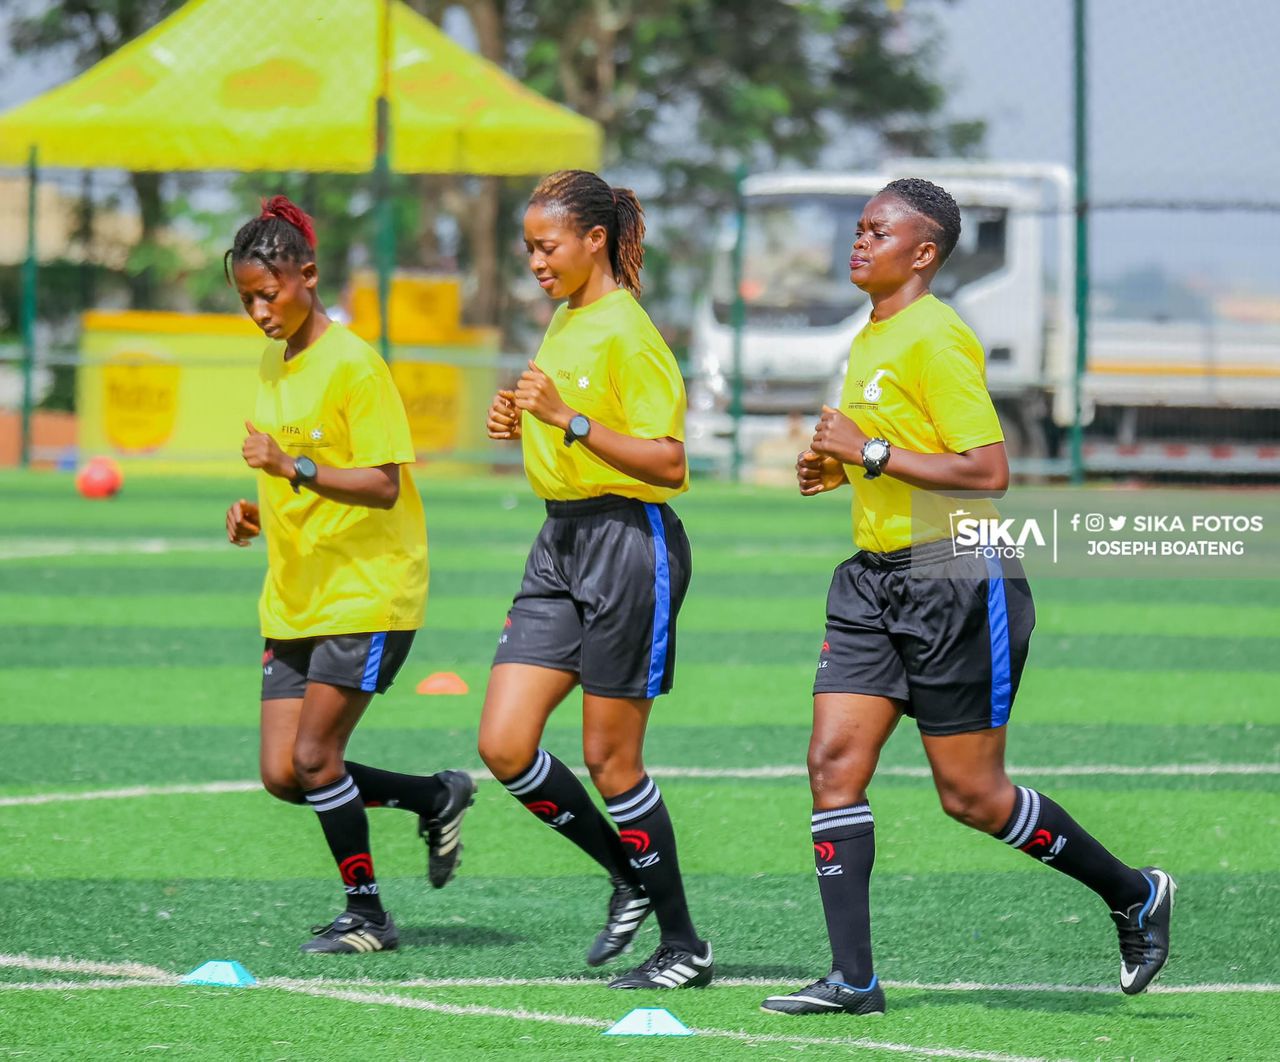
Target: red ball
[100,478]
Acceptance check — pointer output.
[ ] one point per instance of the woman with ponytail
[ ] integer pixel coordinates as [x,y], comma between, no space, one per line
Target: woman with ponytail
[600,413]
[346,580]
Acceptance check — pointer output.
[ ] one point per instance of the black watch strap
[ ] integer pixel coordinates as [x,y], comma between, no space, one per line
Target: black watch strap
[304,471]
[579,428]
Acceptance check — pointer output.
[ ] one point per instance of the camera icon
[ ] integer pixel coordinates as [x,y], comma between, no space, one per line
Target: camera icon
[1095,522]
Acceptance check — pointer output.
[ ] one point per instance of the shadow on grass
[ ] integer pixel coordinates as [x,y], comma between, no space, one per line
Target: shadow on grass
[457,937]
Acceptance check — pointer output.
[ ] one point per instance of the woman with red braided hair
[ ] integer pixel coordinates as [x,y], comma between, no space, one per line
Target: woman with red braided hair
[346,580]
[600,412]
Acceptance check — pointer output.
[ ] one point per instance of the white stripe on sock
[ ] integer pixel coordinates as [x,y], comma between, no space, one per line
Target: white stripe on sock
[822,816]
[333,789]
[617,806]
[334,796]
[1020,820]
[850,820]
[637,813]
[533,777]
[1032,817]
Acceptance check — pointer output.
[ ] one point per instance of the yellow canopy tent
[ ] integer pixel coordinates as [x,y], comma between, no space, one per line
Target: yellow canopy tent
[291,85]
[331,86]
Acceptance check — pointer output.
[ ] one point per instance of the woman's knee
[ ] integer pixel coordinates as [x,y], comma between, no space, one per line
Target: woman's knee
[504,758]
[316,765]
[839,772]
[613,768]
[981,809]
[282,784]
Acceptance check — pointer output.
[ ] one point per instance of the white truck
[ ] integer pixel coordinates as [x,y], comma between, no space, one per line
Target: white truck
[1157,396]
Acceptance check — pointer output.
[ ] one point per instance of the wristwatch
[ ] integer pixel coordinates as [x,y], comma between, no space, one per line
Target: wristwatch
[579,428]
[304,471]
[875,453]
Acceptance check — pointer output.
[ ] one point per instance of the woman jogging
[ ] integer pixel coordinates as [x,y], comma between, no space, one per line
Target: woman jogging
[917,627]
[600,413]
[346,580]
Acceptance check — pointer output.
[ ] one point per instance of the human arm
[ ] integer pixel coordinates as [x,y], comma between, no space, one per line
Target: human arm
[817,474]
[244,523]
[503,421]
[981,470]
[376,487]
[659,462]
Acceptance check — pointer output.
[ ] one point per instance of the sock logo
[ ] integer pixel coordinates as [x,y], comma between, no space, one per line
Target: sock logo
[357,875]
[1041,836]
[550,813]
[826,851]
[639,840]
[1045,838]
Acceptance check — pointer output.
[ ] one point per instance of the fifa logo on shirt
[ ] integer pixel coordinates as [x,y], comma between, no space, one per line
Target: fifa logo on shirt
[990,536]
[873,392]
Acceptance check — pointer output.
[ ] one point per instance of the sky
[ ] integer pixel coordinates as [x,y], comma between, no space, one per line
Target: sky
[1182,98]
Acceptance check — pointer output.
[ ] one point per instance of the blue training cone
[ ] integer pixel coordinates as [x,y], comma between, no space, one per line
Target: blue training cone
[224,974]
[649,1021]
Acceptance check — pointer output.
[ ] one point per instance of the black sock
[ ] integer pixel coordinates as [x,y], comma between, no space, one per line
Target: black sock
[1045,832]
[421,794]
[549,789]
[346,828]
[645,827]
[844,850]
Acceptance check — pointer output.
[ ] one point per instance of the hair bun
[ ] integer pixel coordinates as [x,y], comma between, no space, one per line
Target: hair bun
[282,207]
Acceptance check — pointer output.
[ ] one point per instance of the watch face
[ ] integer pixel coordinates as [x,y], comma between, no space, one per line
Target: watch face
[876,450]
[305,466]
[579,426]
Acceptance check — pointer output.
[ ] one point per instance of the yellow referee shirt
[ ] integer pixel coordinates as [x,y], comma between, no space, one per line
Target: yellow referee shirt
[917,380]
[611,364]
[335,568]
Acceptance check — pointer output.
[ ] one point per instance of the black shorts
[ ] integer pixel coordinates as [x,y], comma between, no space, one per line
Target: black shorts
[367,662]
[602,588]
[948,634]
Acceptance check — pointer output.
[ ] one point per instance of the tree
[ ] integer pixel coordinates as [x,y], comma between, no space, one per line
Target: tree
[92,30]
[686,90]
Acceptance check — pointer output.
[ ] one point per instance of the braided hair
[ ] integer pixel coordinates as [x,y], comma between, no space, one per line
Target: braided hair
[590,201]
[932,203]
[281,233]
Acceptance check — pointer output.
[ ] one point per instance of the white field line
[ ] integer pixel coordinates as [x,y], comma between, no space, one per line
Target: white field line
[129,793]
[391,1000]
[1166,770]
[143,974]
[30,549]
[81,986]
[84,966]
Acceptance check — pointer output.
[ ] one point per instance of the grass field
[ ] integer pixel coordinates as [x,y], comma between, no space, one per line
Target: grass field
[128,691]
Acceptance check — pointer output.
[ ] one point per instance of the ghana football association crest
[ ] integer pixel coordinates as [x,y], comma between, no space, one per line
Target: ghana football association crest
[873,392]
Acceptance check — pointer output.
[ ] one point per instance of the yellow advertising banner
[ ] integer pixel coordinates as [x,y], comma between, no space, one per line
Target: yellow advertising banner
[170,392]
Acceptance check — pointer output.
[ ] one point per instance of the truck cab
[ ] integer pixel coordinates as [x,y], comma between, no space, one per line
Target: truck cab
[802,312]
